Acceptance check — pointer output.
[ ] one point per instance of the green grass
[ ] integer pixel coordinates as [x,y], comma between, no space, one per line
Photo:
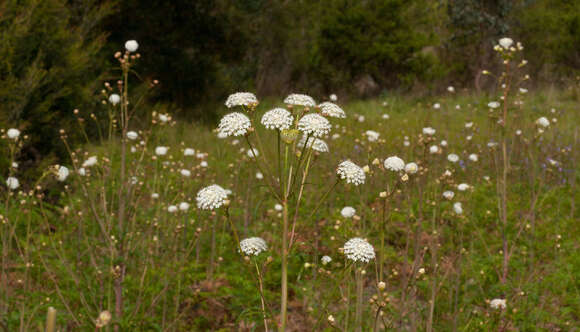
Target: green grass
[170,286]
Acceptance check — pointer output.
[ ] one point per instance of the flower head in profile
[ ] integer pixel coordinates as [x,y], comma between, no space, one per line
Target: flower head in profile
[114,99]
[448,194]
[394,164]
[234,124]
[12,183]
[131,45]
[132,135]
[428,131]
[457,208]
[241,99]
[493,104]
[452,157]
[314,124]
[543,122]
[253,246]
[462,186]
[411,168]
[300,100]
[13,133]
[349,171]
[189,152]
[506,43]
[62,173]
[91,161]
[325,260]
[359,250]
[316,144]
[372,135]
[161,150]
[211,197]
[277,118]
[253,153]
[332,110]
[347,212]
[498,304]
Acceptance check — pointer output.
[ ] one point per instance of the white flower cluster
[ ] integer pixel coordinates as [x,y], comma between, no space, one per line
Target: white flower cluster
[498,304]
[234,124]
[316,144]
[241,99]
[300,100]
[277,118]
[359,250]
[372,135]
[394,164]
[211,197]
[253,246]
[314,124]
[349,171]
[332,110]
[348,212]
[12,183]
[13,133]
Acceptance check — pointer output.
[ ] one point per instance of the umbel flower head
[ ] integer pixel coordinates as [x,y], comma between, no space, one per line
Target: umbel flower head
[314,124]
[394,164]
[332,110]
[241,99]
[131,45]
[62,173]
[359,250]
[277,118]
[349,171]
[498,304]
[300,100]
[12,183]
[348,212]
[316,144]
[13,133]
[234,124]
[211,197]
[253,246]
[543,122]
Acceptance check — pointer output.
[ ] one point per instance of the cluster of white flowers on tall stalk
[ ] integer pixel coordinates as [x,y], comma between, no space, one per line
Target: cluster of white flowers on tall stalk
[300,129]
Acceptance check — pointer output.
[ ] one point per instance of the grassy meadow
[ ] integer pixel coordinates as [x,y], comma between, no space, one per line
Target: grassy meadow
[127,240]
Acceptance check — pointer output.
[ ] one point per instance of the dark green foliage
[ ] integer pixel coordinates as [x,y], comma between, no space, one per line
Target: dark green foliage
[49,66]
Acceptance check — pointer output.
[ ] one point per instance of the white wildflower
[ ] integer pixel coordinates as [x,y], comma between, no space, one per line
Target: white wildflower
[316,144]
[91,161]
[277,118]
[359,250]
[452,157]
[172,209]
[188,152]
[211,197]
[493,104]
[428,131]
[457,208]
[253,246]
[411,168]
[12,183]
[498,304]
[241,99]
[473,157]
[161,150]
[132,135]
[506,43]
[114,99]
[62,173]
[349,171]
[372,135]
[394,164]
[300,100]
[543,121]
[13,133]
[325,260]
[331,110]
[314,124]
[348,212]
[131,45]
[448,194]
[462,186]
[183,206]
[234,124]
